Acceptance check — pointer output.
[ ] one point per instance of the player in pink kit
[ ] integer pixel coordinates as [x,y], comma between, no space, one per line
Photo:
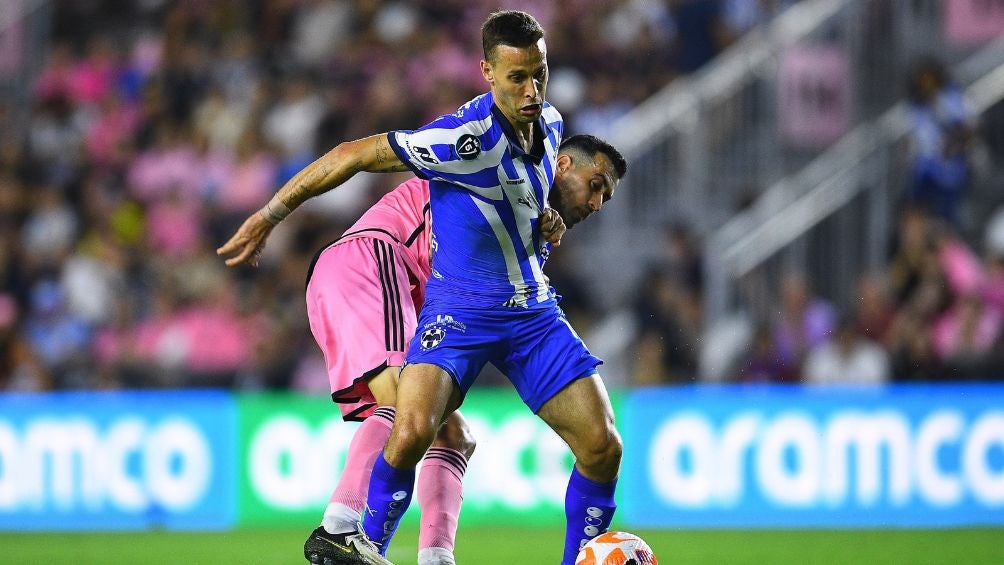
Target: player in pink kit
[363,293]
[380,266]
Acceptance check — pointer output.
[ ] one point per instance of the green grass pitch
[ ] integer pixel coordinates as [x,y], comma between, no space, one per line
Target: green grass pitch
[511,546]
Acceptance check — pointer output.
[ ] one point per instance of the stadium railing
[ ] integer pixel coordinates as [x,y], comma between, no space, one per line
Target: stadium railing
[24,33]
[840,207]
[709,141]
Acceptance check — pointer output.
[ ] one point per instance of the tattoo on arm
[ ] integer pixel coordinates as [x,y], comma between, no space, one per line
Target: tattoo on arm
[298,194]
[382,152]
[337,166]
[385,158]
[311,184]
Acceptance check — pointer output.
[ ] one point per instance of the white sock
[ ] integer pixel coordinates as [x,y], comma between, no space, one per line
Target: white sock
[339,518]
[435,556]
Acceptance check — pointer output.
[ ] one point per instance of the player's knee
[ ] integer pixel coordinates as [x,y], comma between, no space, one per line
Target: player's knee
[610,454]
[409,440]
[456,434]
[601,458]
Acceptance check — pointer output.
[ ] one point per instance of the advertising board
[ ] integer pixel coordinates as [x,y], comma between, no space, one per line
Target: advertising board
[103,460]
[792,457]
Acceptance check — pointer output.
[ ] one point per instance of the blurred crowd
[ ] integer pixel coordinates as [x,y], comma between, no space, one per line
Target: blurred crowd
[935,313]
[155,127]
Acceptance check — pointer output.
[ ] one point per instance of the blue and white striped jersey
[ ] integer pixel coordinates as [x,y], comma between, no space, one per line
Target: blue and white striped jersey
[487,194]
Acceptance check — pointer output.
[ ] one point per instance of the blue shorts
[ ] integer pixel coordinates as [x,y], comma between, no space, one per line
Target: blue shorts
[536,349]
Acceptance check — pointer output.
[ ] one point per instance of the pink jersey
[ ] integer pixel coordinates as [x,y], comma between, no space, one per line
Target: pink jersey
[401,217]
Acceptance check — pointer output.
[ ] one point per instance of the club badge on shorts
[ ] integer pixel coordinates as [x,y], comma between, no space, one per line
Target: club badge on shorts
[432,337]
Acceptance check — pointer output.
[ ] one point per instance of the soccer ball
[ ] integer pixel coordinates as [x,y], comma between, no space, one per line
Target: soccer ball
[616,548]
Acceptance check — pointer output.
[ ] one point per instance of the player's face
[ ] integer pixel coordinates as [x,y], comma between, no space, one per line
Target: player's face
[518,78]
[581,189]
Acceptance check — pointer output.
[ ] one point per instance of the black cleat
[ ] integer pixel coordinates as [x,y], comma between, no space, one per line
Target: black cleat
[349,548]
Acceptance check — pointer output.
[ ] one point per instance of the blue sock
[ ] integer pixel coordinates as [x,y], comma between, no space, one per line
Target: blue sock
[389,496]
[589,507]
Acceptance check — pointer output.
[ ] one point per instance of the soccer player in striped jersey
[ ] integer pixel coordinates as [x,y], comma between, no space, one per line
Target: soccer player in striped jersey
[363,292]
[490,166]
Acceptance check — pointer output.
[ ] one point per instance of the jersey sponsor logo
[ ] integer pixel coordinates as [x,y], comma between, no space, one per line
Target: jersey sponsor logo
[425,154]
[517,181]
[446,321]
[432,337]
[468,147]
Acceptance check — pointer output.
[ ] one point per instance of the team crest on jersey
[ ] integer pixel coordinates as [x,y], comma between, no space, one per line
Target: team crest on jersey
[432,337]
[468,147]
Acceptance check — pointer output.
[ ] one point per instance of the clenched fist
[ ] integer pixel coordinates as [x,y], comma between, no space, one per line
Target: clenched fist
[552,227]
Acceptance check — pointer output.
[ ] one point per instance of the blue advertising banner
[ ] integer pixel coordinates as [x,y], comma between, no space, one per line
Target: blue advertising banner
[131,460]
[813,457]
[701,457]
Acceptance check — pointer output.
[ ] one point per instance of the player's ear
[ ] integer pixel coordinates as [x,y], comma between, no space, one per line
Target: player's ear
[564,162]
[486,71]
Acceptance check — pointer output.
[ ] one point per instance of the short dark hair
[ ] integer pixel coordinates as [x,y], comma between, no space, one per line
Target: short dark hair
[509,27]
[589,145]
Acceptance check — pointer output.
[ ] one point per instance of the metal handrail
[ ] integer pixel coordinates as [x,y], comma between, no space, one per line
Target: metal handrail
[673,107]
[672,117]
[795,204]
[15,86]
[9,17]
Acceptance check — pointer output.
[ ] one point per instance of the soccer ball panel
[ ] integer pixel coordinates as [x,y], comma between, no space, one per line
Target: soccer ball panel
[616,548]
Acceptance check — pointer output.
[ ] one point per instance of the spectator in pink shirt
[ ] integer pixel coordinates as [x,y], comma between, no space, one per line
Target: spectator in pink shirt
[107,139]
[215,167]
[967,331]
[994,244]
[252,180]
[92,78]
[54,81]
[170,166]
[174,226]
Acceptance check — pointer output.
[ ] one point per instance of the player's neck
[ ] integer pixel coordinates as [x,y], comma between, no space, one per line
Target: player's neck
[525,134]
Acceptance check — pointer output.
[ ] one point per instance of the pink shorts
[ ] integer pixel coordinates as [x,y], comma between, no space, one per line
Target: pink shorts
[362,315]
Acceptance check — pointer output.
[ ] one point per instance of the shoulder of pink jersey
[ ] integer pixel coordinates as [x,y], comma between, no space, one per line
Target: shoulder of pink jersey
[415,184]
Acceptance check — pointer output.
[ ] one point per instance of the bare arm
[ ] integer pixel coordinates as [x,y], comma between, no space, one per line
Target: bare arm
[371,154]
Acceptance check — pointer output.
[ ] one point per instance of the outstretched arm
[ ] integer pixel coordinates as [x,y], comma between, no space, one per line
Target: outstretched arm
[372,154]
